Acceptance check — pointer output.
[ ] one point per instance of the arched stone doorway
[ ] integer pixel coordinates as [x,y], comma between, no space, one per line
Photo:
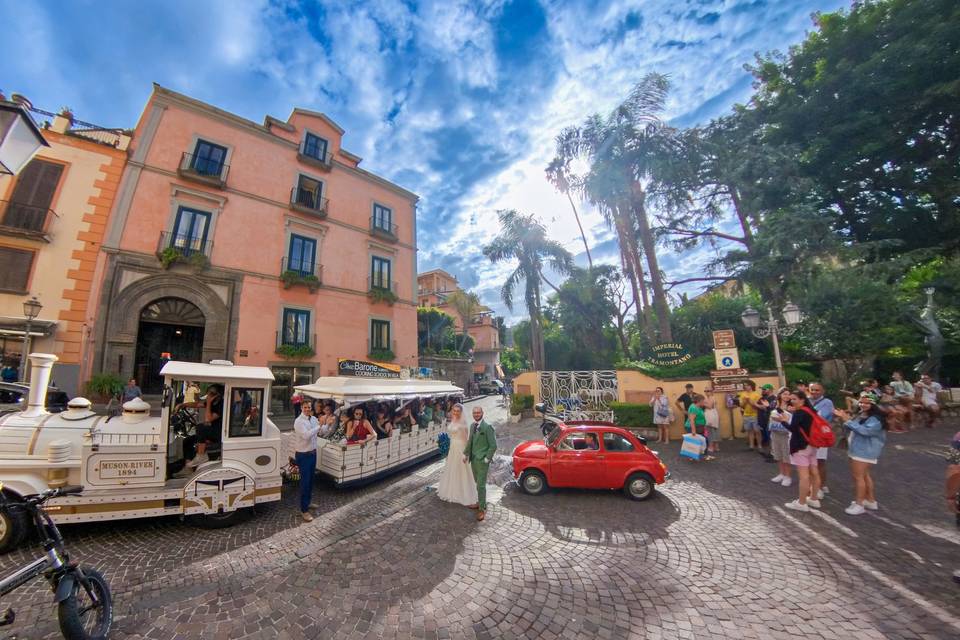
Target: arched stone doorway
[169,329]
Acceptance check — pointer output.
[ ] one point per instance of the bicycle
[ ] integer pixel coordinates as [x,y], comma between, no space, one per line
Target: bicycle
[84,605]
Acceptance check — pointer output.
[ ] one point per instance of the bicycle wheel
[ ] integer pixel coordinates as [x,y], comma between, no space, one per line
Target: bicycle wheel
[80,618]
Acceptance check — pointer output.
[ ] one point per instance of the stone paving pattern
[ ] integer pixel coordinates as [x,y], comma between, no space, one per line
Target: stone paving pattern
[712,555]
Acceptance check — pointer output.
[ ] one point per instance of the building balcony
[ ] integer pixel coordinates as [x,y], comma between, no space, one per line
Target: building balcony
[294,350]
[385,353]
[307,274]
[173,248]
[324,162]
[383,230]
[203,170]
[306,201]
[380,290]
[24,220]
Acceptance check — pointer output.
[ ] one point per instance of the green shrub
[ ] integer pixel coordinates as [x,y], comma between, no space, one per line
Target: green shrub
[519,403]
[628,414]
[295,351]
[291,278]
[377,294]
[381,355]
[799,373]
[105,385]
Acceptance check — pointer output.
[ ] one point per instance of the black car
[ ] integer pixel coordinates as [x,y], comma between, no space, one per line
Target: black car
[13,397]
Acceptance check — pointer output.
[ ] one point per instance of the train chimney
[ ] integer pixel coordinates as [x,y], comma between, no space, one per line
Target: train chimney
[41,365]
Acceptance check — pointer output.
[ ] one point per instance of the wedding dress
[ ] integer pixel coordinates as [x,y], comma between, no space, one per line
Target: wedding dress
[456,481]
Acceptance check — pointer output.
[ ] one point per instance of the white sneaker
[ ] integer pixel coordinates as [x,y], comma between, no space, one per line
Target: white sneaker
[855,509]
[796,506]
[873,506]
[786,482]
[820,494]
[813,503]
[777,478]
[824,489]
[198,460]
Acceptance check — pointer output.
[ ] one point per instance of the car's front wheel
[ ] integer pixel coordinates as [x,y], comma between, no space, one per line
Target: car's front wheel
[639,486]
[533,482]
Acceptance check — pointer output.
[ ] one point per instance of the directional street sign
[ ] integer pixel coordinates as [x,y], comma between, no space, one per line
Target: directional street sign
[726,373]
[724,339]
[727,358]
[724,381]
[728,386]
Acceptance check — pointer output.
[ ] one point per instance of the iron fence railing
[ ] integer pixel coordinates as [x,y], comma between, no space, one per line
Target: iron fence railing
[301,268]
[381,284]
[207,169]
[383,228]
[289,341]
[24,217]
[307,200]
[185,245]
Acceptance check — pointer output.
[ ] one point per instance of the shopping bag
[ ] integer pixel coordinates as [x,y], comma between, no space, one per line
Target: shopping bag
[693,446]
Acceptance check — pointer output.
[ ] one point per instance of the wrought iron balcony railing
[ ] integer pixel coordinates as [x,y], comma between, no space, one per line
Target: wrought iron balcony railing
[308,201]
[381,284]
[324,160]
[383,229]
[24,218]
[184,245]
[203,170]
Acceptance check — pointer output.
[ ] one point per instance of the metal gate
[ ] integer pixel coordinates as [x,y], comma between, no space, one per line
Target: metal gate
[579,395]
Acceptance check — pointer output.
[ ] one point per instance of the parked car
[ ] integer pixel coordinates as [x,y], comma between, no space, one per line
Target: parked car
[13,397]
[589,455]
[491,387]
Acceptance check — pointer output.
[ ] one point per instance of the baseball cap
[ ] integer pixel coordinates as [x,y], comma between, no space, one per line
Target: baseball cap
[767,386]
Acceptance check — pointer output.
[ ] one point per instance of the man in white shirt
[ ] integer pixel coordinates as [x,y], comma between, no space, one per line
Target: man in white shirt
[305,430]
[928,390]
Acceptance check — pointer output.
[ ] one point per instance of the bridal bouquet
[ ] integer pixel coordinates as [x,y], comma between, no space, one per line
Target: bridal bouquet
[443,443]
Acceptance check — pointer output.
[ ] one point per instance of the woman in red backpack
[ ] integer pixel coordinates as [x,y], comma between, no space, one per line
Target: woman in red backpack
[803,455]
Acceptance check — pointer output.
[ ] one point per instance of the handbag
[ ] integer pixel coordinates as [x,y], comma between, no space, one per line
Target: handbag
[693,446]
[663,410]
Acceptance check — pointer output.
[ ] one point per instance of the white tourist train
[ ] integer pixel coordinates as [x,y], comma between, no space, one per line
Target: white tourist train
[127,464]
[354,464]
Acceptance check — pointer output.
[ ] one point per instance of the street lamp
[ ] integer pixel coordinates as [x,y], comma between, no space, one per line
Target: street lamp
[792,317]
[20,138]
[31,309]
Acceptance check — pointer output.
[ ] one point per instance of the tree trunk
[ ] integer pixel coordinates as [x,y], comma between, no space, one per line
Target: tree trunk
[745,227]
[660,306]
[633,267]
[576,215]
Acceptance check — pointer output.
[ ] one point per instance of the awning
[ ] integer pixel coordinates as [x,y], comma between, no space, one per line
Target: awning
[354,390]
[200,372]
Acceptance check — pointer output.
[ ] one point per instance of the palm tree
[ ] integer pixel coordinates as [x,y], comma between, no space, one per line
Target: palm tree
[466,305]
[625,150]
[523,239]
[557,172]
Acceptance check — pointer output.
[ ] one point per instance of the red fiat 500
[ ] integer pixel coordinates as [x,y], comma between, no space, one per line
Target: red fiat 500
[589,455]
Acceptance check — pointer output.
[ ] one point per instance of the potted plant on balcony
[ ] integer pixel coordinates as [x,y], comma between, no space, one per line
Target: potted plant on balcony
[198,262]
[298,352]
[382,295]
[291,278]
[168,256]
[381,355]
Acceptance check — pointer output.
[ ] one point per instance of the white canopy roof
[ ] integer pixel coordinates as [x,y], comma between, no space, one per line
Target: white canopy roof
[215,372]
[354,390]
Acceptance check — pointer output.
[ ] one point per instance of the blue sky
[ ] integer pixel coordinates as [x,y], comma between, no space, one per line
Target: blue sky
[457,101]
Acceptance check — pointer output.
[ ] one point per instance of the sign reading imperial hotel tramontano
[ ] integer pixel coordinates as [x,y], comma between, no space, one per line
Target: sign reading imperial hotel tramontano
[669,354]
[364,369]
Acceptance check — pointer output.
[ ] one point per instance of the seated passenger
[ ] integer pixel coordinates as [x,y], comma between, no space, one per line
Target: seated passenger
[327,419]
[592,443]
[208,432]
[359,429]
[405,422]
[382,424]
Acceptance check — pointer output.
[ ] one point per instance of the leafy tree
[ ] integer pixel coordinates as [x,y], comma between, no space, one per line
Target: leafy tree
[432,325]
[524,240]
[584,309]
[466,305]
[513,361]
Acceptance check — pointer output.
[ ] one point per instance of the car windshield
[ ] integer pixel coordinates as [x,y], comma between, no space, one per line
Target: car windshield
[553,436]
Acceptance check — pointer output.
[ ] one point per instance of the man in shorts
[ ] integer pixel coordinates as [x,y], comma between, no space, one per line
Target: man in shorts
[748,407]
[927,389]
[823,406]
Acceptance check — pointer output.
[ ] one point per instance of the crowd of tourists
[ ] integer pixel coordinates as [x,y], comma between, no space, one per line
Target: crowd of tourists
[795,427]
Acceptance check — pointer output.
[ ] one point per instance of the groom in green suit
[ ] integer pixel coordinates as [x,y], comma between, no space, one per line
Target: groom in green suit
[480,449]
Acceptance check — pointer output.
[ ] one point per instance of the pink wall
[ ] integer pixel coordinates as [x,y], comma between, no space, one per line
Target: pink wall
[250,233]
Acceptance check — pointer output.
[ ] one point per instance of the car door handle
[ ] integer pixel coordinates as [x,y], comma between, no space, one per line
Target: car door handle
[600,457]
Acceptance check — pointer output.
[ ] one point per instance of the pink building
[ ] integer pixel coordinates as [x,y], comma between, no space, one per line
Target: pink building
[265,244]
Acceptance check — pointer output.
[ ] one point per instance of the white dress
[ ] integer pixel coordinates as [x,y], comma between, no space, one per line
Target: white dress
[456,481]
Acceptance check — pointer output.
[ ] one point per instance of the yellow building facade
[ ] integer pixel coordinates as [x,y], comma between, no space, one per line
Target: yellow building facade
[53,216]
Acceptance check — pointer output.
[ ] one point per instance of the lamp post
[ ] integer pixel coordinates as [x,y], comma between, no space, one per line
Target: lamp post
[31,309]
[792,316]
[20,138]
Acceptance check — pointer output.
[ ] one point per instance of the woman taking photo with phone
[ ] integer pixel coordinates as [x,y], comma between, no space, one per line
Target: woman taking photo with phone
[868,434]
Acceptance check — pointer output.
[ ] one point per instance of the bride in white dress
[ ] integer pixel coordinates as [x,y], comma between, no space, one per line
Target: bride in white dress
[456,481]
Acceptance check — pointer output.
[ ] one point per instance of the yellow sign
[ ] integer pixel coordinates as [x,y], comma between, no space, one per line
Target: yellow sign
[127,469]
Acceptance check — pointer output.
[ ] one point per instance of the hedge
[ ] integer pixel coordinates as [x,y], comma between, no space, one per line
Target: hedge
[628,414]
[518,403]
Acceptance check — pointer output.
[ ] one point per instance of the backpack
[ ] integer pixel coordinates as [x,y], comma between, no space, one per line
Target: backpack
[821,433]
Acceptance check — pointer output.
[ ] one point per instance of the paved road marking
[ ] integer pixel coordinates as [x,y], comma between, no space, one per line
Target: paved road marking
[933,609]
[835,522]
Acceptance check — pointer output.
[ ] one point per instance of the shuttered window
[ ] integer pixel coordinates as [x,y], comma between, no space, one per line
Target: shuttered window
[15,269]
[33,195]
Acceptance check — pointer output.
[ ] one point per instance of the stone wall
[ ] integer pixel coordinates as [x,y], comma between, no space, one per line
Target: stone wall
[459,371]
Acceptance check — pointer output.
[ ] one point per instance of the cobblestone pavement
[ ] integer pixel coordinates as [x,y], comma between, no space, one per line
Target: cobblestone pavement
[712,555]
